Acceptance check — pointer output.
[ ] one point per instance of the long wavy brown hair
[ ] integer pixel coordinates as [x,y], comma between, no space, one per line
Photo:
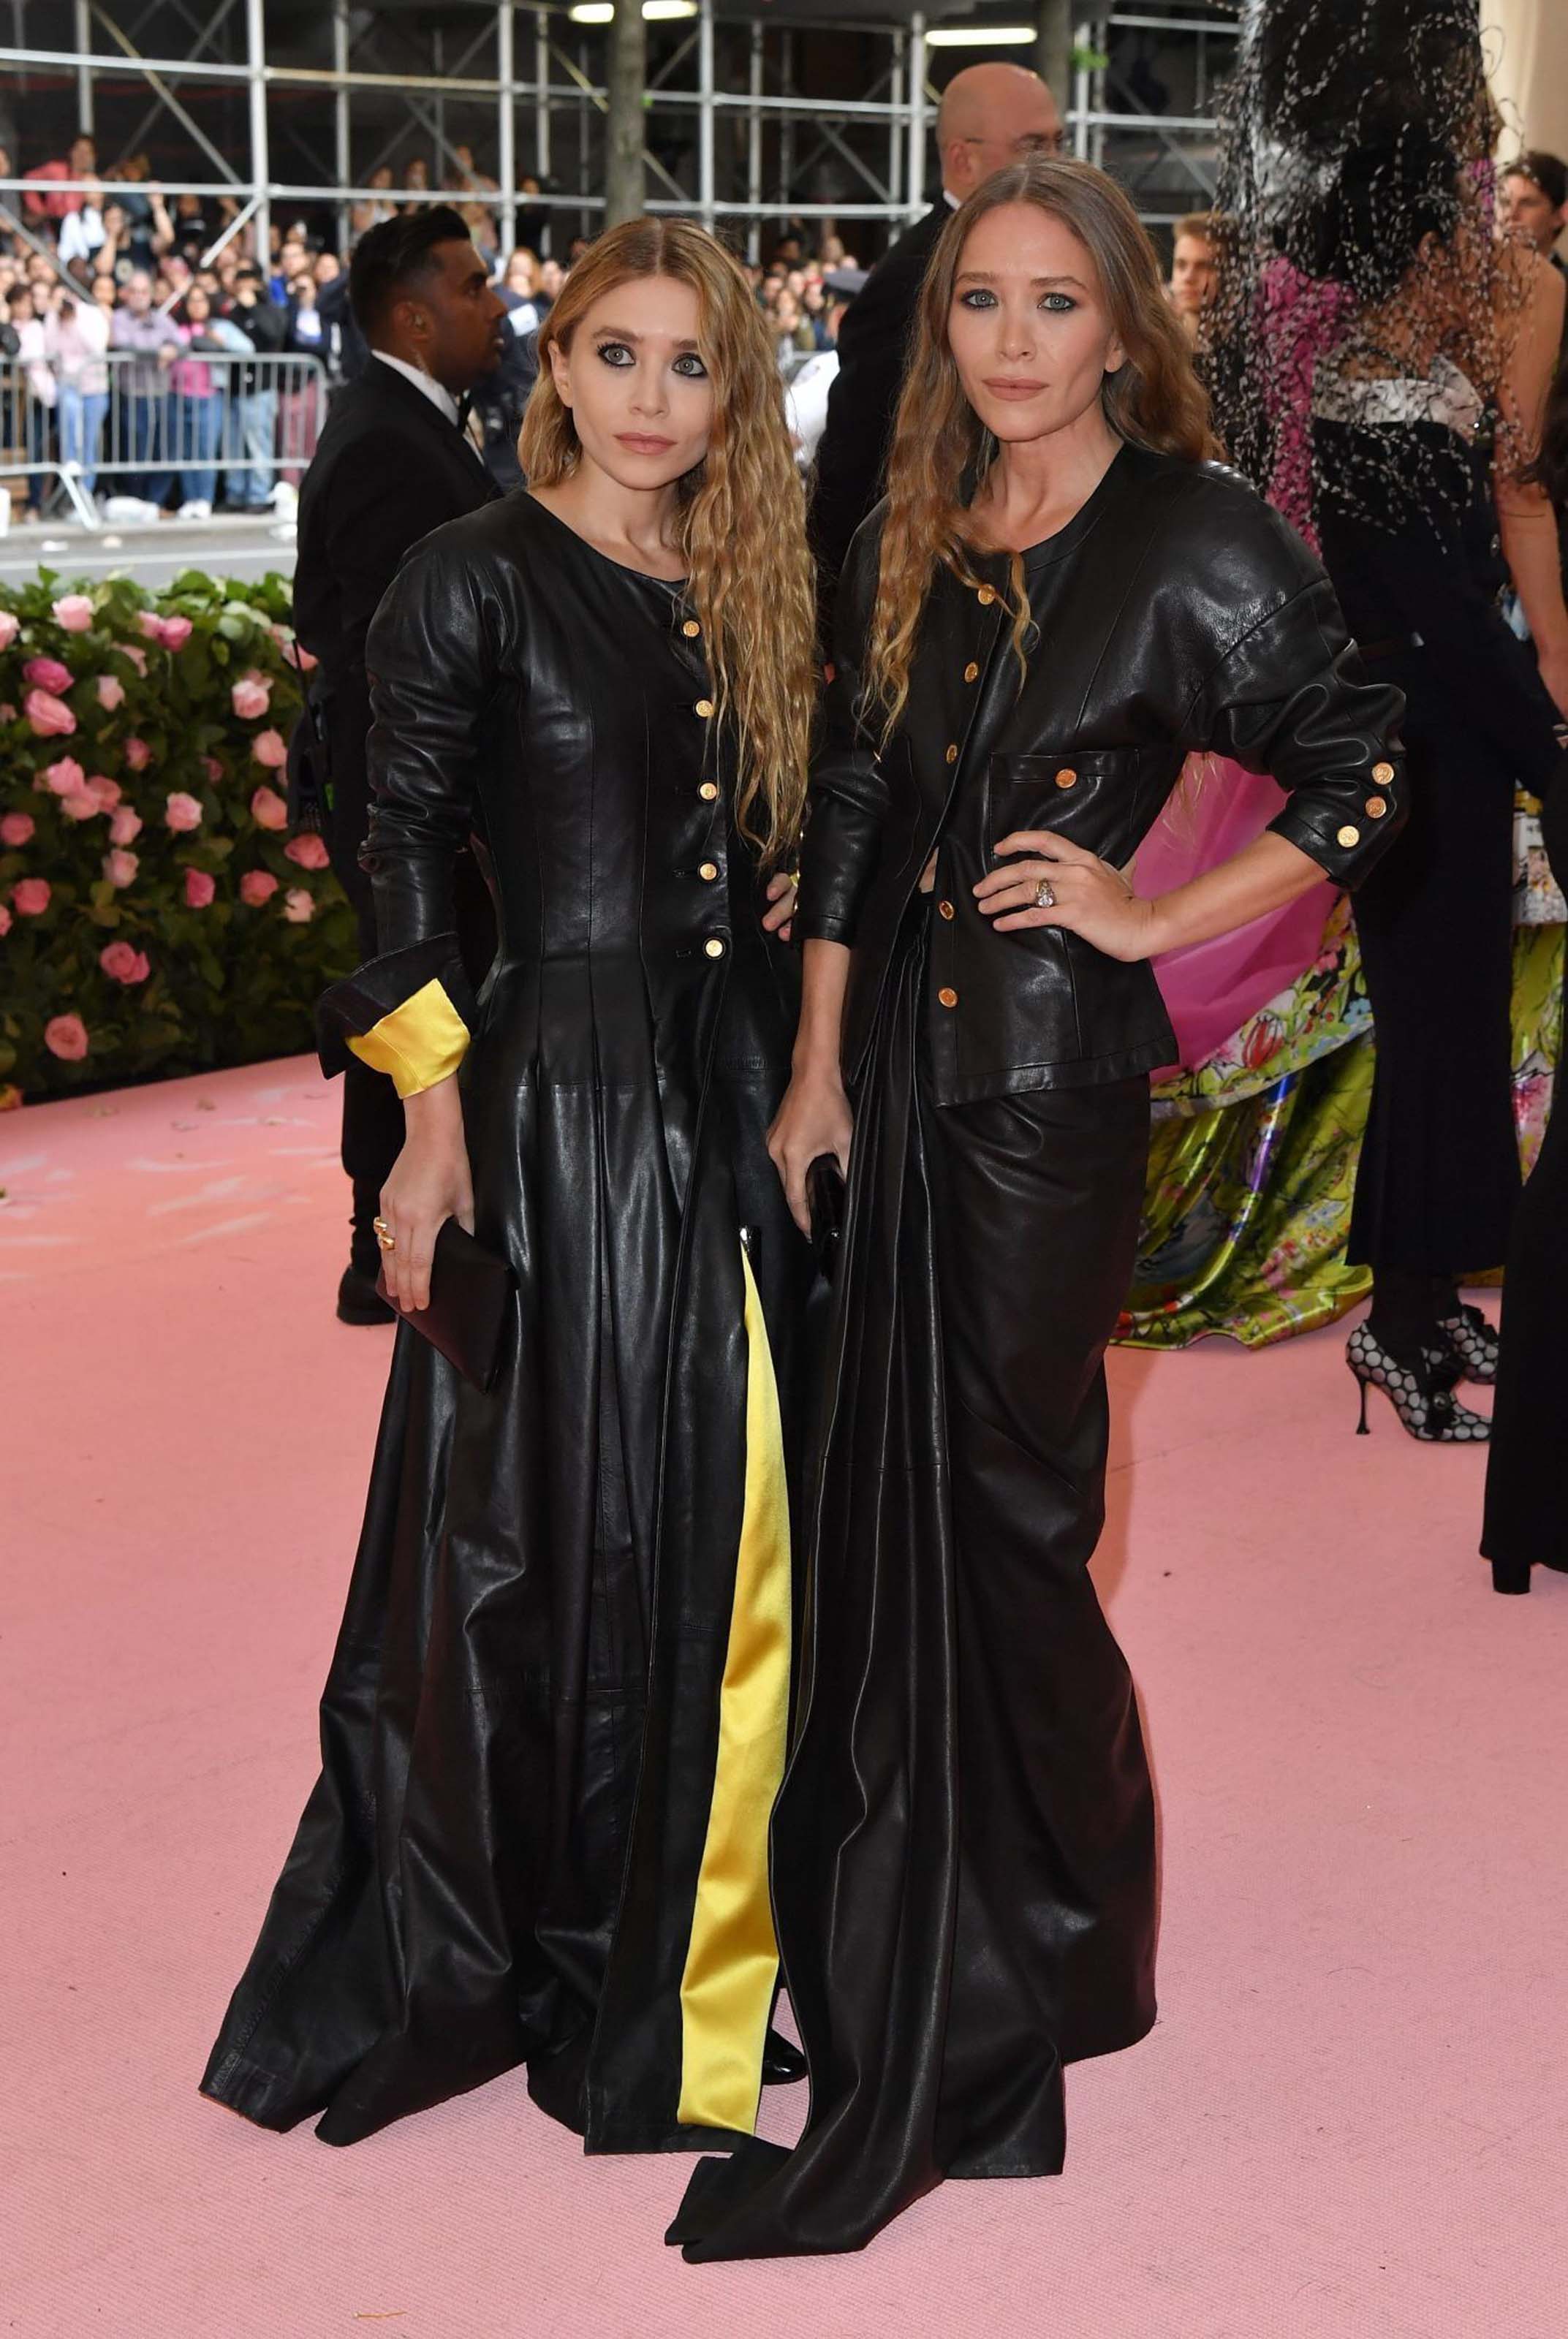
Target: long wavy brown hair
[740,525]
[942,451]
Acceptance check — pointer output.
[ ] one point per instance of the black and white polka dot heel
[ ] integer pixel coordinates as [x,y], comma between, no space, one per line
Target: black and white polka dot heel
[1473,1342]
[1421,1395]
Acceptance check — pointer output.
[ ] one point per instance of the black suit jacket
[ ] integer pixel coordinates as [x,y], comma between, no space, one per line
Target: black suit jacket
[872,345]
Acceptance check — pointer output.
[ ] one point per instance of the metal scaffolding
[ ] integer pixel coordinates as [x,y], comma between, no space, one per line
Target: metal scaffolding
[747,122]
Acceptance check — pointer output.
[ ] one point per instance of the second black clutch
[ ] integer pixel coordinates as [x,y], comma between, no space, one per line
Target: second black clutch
[470,1296]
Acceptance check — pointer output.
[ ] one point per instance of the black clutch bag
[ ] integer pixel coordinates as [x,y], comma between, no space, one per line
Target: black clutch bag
[470,1293]
[824,1193]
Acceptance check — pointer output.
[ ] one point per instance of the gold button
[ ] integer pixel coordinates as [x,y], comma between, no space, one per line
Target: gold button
[1383,774]
[946,909]
[951,753]
[1349,836]
[714,949]
[1066,777]
[709,872]
[691,629]
[987,595]
[972,672]
[705,708]
[708,791]
[1375,807]
[948,997]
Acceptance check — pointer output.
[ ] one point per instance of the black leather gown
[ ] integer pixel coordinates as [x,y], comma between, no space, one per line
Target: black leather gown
[555,1720]
[964,1845]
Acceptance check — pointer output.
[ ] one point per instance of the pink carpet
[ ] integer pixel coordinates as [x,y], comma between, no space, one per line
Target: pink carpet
[1352,2118]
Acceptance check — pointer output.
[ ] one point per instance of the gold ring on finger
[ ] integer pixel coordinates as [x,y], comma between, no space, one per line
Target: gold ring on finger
[1044,899]
[387,1242]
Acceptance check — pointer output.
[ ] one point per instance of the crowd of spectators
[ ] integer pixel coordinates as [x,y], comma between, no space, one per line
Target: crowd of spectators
[145,343]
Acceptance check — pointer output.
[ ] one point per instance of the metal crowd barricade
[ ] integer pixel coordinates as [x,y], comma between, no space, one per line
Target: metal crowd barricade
[193,418]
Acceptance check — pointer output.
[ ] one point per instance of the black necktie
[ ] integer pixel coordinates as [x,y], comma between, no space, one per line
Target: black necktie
[465,408]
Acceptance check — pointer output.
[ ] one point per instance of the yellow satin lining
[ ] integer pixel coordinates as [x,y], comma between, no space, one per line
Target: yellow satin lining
[419,1042]
[731,1961]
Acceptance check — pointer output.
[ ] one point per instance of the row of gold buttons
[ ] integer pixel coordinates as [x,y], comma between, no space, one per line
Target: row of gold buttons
[708,791]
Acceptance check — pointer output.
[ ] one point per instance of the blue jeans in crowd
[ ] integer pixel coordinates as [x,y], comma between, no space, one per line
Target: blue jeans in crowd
[149,438]
[253,434]
[195,429]
[80,416]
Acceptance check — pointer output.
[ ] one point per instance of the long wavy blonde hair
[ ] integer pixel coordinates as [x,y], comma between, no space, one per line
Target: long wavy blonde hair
[941,449]
[741,526]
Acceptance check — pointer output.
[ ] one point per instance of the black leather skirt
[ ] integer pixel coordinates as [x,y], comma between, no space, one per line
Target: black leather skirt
[963,1849]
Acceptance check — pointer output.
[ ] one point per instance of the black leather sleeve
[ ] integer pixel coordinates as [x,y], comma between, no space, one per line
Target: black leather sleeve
[433,656]
[846,803]
[1291,698]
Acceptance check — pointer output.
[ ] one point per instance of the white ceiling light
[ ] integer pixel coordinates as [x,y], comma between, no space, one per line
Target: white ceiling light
[975,37]
[601,12]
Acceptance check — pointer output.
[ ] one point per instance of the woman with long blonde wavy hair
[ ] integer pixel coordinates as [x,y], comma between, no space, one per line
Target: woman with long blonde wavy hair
[557,1715]
[1059,600]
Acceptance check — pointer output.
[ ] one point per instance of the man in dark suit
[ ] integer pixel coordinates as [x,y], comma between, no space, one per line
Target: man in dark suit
[393,463]
[991,115]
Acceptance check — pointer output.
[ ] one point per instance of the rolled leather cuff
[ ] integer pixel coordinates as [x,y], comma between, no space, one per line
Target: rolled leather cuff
[409,1013]
[1348,838]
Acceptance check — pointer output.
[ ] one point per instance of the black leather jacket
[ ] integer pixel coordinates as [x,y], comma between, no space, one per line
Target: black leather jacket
[1175,614]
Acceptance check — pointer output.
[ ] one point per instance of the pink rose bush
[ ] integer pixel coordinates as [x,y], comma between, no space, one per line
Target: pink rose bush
[145,739]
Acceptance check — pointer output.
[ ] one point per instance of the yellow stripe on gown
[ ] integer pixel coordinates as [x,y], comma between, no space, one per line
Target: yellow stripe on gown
[731,1961]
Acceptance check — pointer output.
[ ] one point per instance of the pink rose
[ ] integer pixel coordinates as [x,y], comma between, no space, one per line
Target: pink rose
[10,626]
[8,712]
[310,850]
[74,612]
[5,920]
[200,888]
[47,673]
[175,632]
[256,886]
[110,693]
[105,791]
[182,813]
[214,769]
[16,828]
[126,827]
[251,696]
[123,964]
[66,1036]
[137,754]
[65,778]
[31,896]
[267,809]
[136,654]
[49,717]
[298,907]
[81,806]
[151,624]
[303,660]
[119,868]
[270,747]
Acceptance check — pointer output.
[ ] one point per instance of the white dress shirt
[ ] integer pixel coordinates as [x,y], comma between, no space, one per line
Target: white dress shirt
[436,391]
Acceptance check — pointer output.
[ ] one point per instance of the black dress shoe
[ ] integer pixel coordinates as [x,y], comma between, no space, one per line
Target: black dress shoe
[359,1301]
[783,2062]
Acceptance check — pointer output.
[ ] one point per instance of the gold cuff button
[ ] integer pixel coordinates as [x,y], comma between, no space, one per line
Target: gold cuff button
[1383,774]
[972,672]
[985,595]
[948,997]
[709,872]
[708,791]
[952,752]
[945,909]
[1349,836]
[705,708]
[691,629]
[715,948]
[1375,807]
[1066,777]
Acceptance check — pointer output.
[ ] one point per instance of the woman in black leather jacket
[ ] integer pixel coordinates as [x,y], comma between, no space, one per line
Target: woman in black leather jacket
[1059,602]
[556,1718]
